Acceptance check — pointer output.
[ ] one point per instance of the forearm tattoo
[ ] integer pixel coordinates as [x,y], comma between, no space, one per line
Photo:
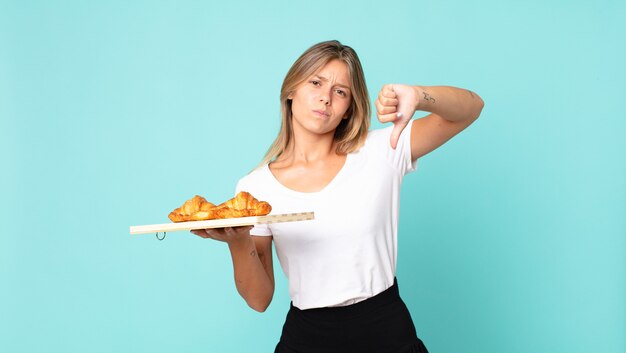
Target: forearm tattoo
[428,97]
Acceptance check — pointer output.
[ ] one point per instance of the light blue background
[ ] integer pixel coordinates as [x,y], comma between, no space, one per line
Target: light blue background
[112,114]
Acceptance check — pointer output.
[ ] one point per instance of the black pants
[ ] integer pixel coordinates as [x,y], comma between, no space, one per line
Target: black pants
[381,324]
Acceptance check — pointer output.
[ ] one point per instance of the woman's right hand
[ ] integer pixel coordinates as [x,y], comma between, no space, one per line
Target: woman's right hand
[397,103]
[229,235]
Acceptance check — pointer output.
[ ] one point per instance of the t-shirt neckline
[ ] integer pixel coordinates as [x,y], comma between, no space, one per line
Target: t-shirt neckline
[336,179]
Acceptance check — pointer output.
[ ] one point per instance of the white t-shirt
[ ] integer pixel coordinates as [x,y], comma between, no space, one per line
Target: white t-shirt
[348,252]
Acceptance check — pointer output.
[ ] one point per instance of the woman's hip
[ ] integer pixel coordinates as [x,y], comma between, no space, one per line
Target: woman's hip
[379,324]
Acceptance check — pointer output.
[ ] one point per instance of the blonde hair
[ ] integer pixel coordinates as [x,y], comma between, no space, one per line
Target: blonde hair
[351,132]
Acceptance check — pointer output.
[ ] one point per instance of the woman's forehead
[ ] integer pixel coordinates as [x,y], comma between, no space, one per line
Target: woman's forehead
[335,71]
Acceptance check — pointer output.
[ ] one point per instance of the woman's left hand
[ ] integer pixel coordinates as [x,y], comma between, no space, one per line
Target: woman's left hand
[396,103]
[228,235]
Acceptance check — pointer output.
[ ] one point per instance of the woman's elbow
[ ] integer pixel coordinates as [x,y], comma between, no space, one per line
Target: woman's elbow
[259,309]
[259,306]
[479,108]
[261,303]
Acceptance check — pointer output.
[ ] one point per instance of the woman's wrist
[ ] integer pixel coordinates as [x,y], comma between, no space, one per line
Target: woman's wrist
[240,242]
[424,100]
[418,93]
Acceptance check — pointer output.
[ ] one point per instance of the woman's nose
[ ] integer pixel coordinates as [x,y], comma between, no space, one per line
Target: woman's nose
[325,98]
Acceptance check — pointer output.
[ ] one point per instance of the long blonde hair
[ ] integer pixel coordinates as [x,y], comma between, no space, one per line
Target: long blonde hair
[351,132]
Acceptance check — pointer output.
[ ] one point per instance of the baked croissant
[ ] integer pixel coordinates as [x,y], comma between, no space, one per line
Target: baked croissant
[195,209]
[242,205]
[198,208]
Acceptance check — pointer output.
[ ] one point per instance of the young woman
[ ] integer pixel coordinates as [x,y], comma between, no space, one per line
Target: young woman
[341,266]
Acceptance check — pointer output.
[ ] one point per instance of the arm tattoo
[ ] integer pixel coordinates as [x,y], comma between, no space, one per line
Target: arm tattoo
[428,97]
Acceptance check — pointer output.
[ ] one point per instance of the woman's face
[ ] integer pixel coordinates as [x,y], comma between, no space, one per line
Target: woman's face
[322,100]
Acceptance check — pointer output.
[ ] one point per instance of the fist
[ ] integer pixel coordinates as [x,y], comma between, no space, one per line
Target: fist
[396,104]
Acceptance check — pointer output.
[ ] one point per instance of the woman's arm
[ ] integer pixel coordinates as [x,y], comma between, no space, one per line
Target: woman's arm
[452,110]
[252,263]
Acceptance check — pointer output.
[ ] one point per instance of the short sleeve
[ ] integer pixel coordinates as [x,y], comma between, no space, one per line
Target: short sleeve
[400,158]
[259,229]
[403,150]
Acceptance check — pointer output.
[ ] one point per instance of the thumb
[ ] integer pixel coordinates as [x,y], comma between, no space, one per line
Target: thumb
[398,126]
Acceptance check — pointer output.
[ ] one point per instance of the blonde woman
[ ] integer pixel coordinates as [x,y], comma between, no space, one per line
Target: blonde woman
[341,266]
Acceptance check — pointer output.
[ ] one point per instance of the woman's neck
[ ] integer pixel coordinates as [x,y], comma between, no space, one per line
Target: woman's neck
[306,148]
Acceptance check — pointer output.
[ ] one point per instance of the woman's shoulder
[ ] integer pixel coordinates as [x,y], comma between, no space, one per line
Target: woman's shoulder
[378,144]
[378,135]
[256,173]
[257,176]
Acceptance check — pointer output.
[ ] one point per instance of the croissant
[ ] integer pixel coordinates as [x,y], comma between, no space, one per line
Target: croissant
[242,205]
[198,208]
[194,209]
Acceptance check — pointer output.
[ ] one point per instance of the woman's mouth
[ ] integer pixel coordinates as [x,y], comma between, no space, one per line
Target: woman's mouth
[321,113]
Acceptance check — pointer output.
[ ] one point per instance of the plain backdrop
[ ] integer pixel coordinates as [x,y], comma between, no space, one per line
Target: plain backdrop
[512,235]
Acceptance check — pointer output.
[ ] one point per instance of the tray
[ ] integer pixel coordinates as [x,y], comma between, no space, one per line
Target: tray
[221,223]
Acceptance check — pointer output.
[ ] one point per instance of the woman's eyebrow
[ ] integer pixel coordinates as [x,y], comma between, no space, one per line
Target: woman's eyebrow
[322,78]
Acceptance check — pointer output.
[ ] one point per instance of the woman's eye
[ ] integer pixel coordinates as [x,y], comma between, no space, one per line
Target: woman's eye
[341,93]
[315,82]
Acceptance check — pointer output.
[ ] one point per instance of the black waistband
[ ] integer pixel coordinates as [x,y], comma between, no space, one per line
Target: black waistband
[350,311]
